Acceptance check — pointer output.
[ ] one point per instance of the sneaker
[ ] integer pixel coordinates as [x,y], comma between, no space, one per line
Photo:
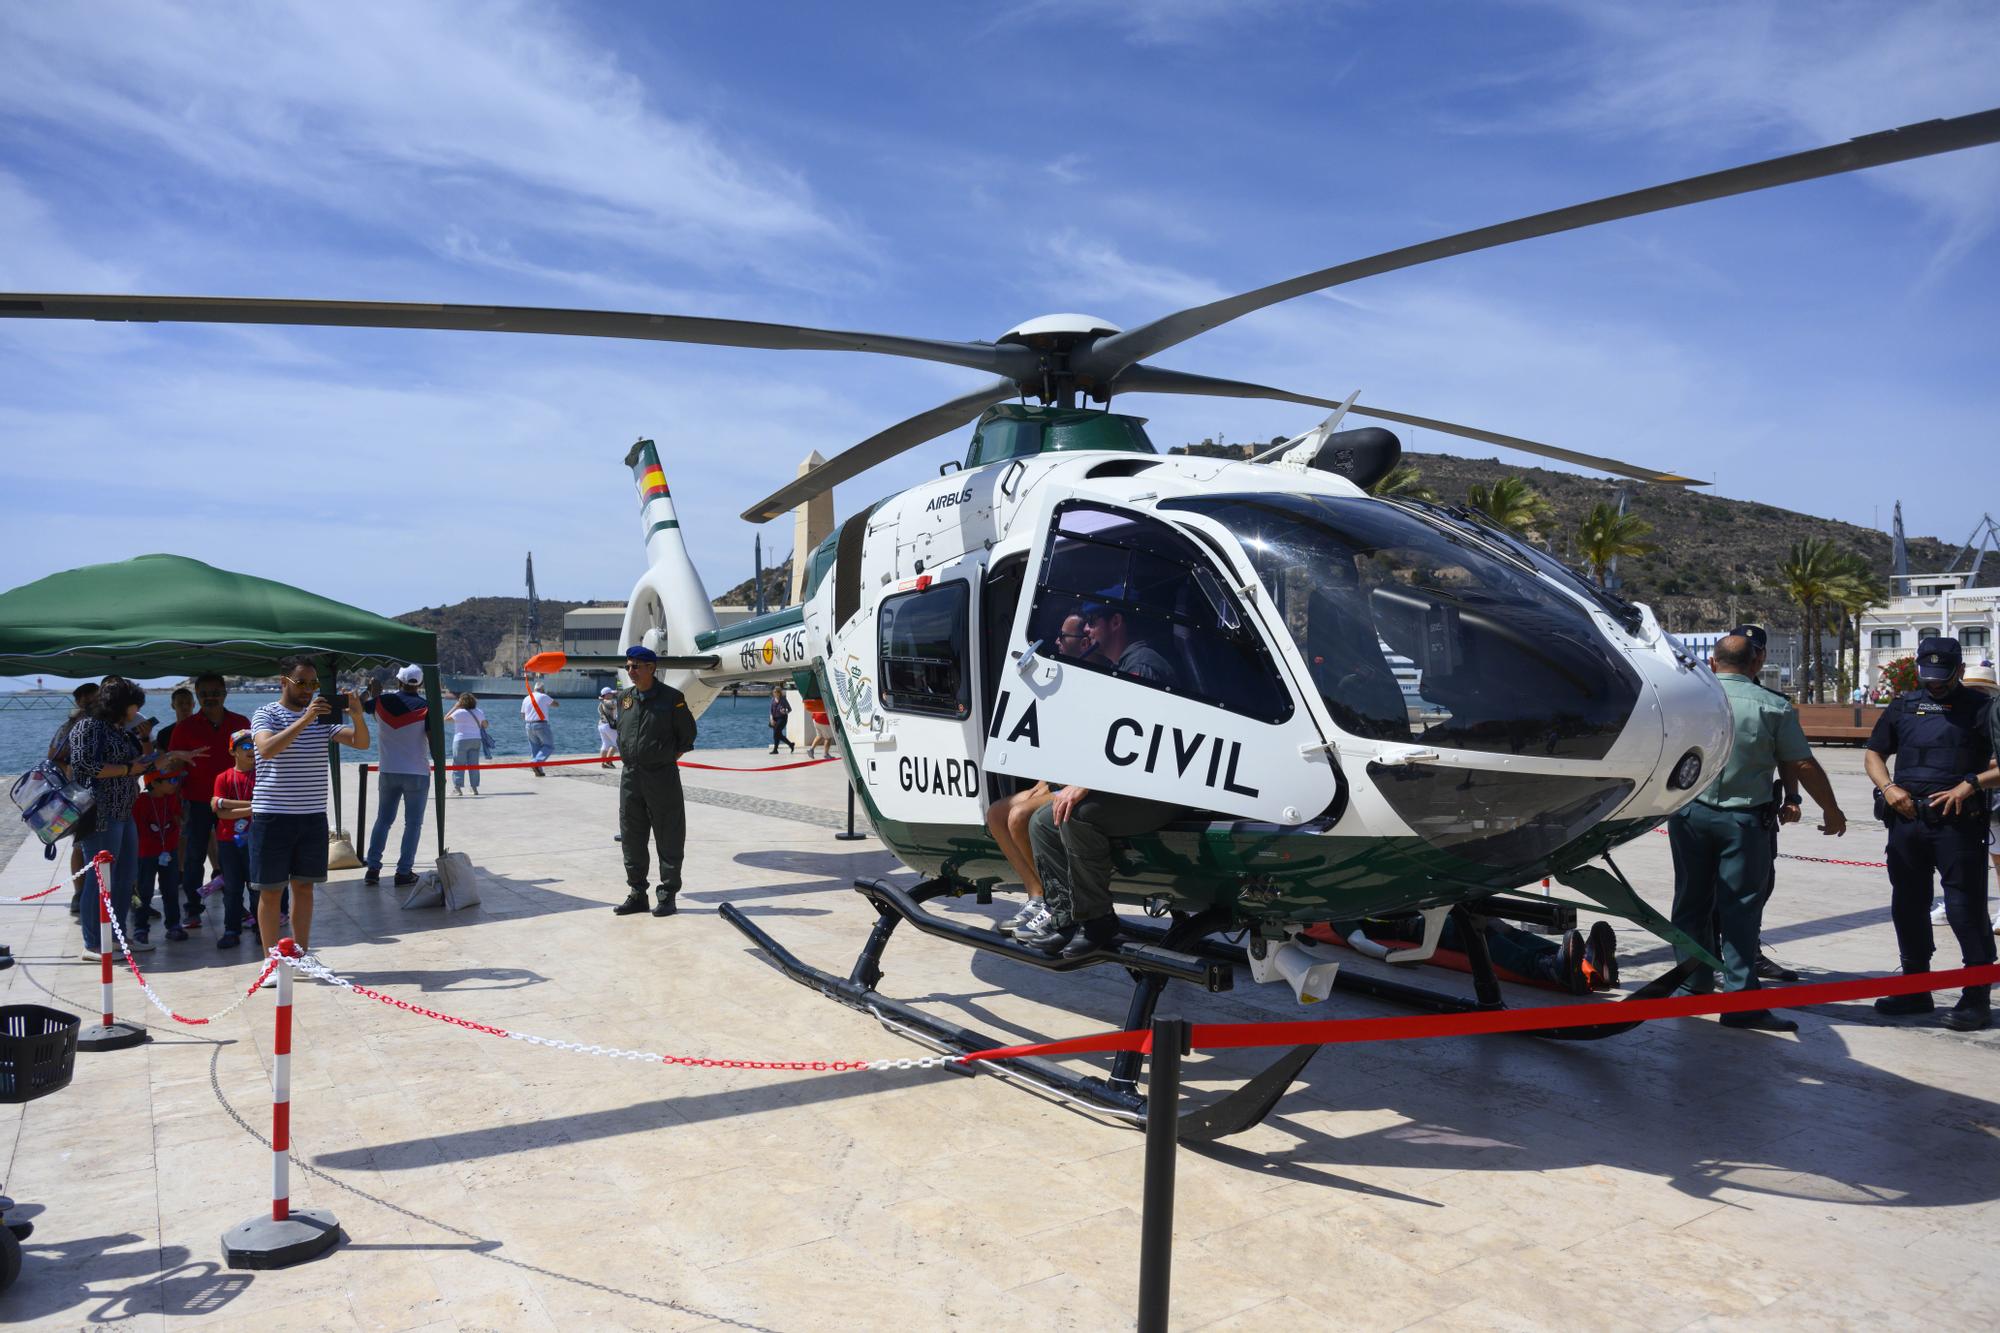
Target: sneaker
[176,934]
[1937,912]
[1600,954]
[270,982]
[90,955]
[373,877]
[140,944]
[1570,955]
[1020,920]
[228,941]
[193,921]
[403,880]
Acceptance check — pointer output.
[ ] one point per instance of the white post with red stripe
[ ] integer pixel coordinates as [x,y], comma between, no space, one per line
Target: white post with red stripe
[287,1235]
[281,1100]
[109,1035]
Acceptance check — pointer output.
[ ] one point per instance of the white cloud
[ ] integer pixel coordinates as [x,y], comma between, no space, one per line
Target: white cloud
[1784,77]
[410,116]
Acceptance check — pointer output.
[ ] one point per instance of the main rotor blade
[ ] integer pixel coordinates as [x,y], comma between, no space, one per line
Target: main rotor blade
[1154,379]
[880,448]
[1872,150]
[509,319]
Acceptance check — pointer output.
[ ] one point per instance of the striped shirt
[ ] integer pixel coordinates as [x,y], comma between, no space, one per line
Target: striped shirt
[294,782]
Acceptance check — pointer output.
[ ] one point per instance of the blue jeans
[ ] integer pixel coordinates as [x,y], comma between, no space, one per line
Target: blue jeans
[194,853]
[465,750]
[411,791]
[541,741]
[235,860]
[121,839]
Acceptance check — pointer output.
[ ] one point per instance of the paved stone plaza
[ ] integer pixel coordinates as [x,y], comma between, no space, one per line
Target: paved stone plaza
[1678,1175]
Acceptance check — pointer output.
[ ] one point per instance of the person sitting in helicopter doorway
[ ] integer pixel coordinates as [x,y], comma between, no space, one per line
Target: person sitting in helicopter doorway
[1935,806]
[655,728]
[781,716]
[1721,839]
[1008,817]
[1072,834]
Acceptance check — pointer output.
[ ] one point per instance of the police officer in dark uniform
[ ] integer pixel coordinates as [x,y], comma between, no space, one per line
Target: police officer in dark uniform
[1935,807]
[655,728]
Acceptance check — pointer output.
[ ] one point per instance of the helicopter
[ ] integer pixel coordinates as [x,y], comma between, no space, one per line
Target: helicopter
[1546,721]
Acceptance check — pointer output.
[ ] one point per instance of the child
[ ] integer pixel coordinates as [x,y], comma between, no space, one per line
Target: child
[233,790]
[157,812]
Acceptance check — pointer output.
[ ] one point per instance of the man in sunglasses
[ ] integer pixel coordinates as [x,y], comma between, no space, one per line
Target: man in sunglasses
[206,730]
[655,728]
[288,813]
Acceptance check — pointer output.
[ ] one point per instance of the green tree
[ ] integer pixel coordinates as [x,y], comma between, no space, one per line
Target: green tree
[1856,589]
[1405,479]
[1605,534]
[1512,504]
[1808,575]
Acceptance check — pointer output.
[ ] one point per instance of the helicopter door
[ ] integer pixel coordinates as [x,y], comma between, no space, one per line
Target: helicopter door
[1135,668]
[924,766]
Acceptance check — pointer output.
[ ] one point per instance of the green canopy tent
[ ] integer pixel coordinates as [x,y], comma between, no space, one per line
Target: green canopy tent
[164,615]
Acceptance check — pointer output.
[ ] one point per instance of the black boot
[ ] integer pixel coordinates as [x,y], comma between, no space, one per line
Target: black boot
[665,905]
[1973,1012]
[1093,936]
[1917,1002]
[635,901]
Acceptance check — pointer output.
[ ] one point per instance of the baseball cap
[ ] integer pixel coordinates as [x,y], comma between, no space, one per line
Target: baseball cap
[1937,658]
[606,693]
[237,738]
[1093,610]
[411,675]
[1756,635]
[639,652]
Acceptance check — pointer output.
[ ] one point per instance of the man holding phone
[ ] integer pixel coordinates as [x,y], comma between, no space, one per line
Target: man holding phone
[288,810]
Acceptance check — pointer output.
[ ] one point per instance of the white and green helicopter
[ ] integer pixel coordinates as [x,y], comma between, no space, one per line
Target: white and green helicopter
[1377,705]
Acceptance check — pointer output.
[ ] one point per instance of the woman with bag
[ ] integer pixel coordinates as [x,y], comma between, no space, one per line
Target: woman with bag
[468,737]
[105,756]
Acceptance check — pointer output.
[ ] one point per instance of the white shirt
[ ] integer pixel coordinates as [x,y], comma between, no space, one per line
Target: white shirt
[528,702]
[465,723]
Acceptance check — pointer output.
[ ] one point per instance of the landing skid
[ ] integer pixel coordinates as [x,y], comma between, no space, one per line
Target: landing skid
[1152,965]
[1485,983]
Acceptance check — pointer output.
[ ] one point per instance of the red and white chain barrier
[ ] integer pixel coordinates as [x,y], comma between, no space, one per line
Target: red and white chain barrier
[312,967]
[60,882]
[106,917]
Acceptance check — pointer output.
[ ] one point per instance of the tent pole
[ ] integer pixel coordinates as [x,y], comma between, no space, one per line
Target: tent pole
[434,725]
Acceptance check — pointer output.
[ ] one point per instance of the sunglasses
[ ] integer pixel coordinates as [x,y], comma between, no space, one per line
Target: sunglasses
[312,684]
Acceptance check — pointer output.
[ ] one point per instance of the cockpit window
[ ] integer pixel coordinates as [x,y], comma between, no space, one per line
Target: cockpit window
[1129,596]
[1412,632]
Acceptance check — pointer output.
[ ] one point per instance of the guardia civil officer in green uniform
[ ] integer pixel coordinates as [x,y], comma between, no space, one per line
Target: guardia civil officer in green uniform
[655,728]
[1721,839]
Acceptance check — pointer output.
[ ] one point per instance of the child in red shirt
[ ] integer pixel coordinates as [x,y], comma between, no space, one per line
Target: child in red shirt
[157,812]
[231,803]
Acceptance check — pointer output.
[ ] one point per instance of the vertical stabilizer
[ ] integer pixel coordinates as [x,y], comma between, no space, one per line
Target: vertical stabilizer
[669,606]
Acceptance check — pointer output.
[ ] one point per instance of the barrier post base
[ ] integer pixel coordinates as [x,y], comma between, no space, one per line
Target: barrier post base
[115,1036]
[262,1243]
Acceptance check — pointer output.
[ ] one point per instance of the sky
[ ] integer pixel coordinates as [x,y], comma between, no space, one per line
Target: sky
[947,170]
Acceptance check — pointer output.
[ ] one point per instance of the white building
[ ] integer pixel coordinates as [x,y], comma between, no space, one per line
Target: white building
[1935,604]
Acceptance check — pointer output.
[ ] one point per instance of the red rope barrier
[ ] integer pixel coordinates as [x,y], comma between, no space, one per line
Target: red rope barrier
[1336,1031]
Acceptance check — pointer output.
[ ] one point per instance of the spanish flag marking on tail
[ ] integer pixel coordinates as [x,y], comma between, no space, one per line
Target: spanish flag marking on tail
[653,484]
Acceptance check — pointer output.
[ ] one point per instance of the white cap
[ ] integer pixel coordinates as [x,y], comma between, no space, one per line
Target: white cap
[1980,677]
[411,675]
[606,692]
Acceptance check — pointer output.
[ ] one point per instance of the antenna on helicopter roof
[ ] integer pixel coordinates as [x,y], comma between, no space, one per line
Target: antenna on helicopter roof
[1315,435]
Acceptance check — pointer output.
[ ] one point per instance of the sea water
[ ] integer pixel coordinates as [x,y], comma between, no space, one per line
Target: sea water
[27,722]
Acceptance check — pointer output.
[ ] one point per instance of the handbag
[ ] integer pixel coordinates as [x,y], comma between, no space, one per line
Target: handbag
[52,806]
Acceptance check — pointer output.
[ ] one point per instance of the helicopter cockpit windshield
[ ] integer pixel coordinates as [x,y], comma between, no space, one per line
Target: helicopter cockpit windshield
[1411,631]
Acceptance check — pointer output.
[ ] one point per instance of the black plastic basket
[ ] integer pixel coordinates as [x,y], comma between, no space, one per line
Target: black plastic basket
[37,1051]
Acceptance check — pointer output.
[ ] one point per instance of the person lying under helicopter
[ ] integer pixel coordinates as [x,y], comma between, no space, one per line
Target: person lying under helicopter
[1574,965]
[1007,818]
[1072,834]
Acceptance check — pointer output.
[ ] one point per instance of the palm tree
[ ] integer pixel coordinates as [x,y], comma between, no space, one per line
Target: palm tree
[1405,479]
[1512,504]
[1856,589]
[1808,576]
[1605,534]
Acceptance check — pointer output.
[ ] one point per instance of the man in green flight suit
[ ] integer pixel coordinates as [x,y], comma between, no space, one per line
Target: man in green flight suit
[1722,841]
[655,728]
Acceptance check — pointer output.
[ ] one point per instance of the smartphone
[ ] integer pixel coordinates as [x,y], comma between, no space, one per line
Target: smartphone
[338,702]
